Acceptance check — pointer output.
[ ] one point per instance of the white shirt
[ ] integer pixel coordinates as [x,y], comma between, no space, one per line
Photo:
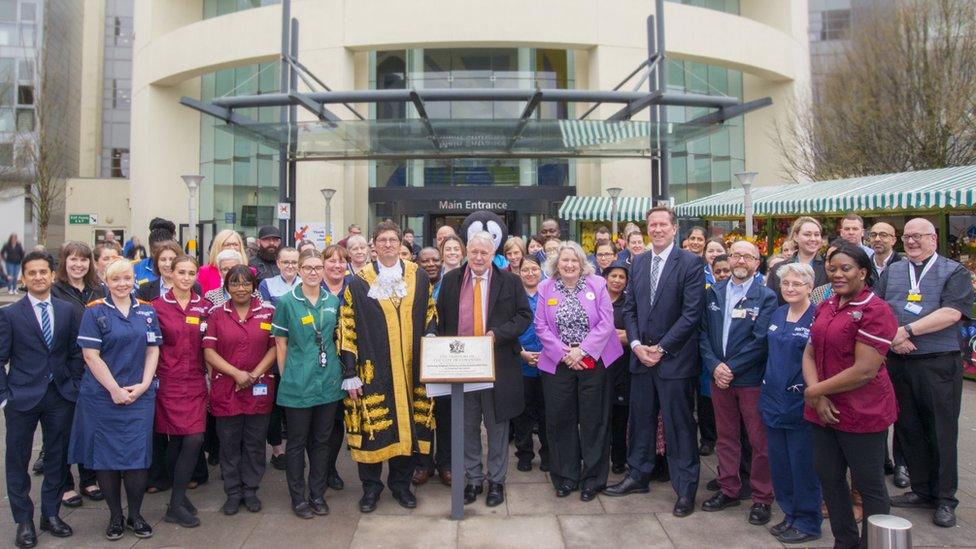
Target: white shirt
[734,293]
[485,280]
[884,263]
[664,255]
[37,310]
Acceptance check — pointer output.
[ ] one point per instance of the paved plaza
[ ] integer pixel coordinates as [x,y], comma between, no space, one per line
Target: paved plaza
[532,516]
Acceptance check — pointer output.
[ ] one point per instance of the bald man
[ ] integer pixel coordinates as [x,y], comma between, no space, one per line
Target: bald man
[733,350]
[882,239]
[929,295]
[443,232]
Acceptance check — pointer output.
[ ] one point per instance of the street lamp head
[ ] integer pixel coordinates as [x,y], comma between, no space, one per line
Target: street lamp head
[746,178]
[327,193]
[614,192]
[192,181]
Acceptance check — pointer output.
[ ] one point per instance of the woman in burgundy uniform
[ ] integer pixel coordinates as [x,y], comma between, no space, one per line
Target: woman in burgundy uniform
[181,399]
[240,350]
[849,397]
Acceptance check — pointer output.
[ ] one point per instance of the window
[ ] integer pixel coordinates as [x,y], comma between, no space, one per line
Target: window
[8,10]
[25,70]
[25,95]
[831,25]
[7,120]
[27,35]
[25,120]
[28,12]
[6,154]
[120,163]
[120,95]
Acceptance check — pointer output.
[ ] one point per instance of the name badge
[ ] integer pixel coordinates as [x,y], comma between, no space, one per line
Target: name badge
[772,327]
[141,281]
[266,326]
[307,319]
[590,295]
[193,320]
[913,308]
[151,337]
[552,301]
[259,390]
[914,298]
[738,313]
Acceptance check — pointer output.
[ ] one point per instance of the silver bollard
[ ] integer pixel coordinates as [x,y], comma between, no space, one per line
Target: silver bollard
[889,532]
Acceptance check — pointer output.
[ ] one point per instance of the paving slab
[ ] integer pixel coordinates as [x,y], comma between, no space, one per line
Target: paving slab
[291,531]
[397,532]
[538,532]
[528,499]
[728,529]
[587,531]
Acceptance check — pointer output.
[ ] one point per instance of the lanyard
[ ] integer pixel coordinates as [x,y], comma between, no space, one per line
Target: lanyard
[319,340]
[911,274]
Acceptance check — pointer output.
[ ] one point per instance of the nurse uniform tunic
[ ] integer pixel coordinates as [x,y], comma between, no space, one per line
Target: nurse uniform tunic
[181,398]
[781,394]
[105,435]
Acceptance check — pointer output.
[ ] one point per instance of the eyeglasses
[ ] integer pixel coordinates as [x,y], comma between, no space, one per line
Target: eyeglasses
[917,237]
[316,269]
[790,284]
[739,257]
[387,241]
[880,235]
[605,254]
[290,263]
[239,284]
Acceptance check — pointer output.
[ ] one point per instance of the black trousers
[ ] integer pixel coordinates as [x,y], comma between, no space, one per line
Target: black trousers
[161,473]
[929,392]
[577,406]
[276,421]
[335,441]
[398,478]
[54,413]
[534,414]
[833,453]
[242,452]
[309,430]
[619,413]
[706,420]
[439,456]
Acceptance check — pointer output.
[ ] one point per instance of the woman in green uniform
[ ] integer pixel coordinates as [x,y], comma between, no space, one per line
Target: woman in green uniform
[310,389]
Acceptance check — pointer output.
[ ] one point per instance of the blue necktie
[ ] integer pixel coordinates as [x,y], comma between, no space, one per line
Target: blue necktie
[46,325]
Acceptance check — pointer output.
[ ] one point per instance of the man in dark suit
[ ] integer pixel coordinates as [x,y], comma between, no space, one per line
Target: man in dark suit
[38,338]
[479,299]
[733,350]
[662,315]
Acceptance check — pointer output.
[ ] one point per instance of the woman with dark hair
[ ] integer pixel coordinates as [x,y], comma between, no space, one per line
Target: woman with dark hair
[181,396]
[618,373]
[849,397]
[103,254]
[536,245]
[12,254]
[163,254]
[335,280]
[240,350]
[77,284]
[713,248]
[605,255]
[694,240]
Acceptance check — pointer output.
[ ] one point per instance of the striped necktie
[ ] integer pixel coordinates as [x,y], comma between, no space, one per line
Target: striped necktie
[46,325]
[655,268]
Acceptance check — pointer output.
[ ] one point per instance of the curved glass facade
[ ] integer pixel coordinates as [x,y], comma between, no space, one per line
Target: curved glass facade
[216,8]
[240,189]
[728,6]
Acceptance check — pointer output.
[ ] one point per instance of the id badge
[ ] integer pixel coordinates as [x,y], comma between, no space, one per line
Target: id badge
[259,390]
[738,313]
[914,298]
[307,319]
[151,337]
[913,308]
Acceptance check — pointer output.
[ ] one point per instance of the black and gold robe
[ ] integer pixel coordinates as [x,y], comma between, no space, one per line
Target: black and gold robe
[379,341]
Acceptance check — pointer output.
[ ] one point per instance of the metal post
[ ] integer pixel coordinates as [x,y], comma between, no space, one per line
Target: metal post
[283,81]
[614,193]
[889,532]
[661,193]
[746,179]
[457,451]
[293,136]
[193,186]
[328,194]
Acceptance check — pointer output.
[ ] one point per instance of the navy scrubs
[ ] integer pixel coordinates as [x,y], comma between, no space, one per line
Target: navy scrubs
[788,435]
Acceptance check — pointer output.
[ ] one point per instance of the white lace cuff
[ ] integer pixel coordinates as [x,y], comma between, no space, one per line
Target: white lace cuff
[351,383]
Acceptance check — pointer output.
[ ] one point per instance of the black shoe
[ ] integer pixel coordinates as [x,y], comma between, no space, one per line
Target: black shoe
[73,501]
[683,507]
[406,499]
[618,468]
[471,492]
[213,459]
[252,504]
[231,506]
[945,516]
[792,535]
[524,465]
[38,467]
[279,462]
[496,494]
[780,528]
[139,527]
[57,527]
[760,514]
[179,515]
[335,481]
[367,503]
[302,510]
[564,490]
[588,494]
[889,467]
[713,486]
[26,535]
[115,529]
[718,502]
[190,508]
[706,449]
[629,485]
[901,478]
[544,466]
[913,500]
[319,506]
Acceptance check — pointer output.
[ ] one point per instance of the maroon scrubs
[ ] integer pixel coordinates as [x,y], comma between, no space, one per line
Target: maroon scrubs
[181,399]
[865,319]
[242,343]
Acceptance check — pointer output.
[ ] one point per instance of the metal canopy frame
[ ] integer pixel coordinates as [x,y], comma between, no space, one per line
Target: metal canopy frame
[317,101]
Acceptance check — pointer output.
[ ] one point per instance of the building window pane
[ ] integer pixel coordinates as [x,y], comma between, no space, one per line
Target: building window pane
[6,154]
[7,120]
[25,120]
[28,12]
[27,35]
[25,70]
[8,10]
[120,163]
[25,95]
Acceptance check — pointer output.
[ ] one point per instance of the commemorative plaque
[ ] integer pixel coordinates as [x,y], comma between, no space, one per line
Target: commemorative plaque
[457,359]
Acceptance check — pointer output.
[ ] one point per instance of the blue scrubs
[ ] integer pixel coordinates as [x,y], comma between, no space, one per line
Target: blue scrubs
[105,435]
[788,436]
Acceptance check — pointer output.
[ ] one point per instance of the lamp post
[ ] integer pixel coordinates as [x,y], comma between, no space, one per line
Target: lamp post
[746,179]
[328,194]
[193,186]
[614,192]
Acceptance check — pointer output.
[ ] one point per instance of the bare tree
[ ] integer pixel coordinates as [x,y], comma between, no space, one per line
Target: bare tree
[902,98]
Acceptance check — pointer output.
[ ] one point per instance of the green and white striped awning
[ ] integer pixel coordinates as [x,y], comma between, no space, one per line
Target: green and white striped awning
[598,208]
[945,188]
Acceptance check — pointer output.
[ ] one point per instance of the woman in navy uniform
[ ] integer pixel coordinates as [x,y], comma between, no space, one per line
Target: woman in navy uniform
[788,435]
[113,423]
[618,373]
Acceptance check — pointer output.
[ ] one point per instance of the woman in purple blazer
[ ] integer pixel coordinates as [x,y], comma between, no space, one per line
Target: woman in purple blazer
[574,322]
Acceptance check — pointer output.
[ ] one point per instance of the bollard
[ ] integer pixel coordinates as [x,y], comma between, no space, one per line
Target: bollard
[889,532]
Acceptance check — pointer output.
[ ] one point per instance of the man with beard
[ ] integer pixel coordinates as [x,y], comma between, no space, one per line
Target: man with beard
[265,258]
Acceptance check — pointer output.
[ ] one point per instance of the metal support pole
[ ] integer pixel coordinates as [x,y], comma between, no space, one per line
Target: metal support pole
[747,206]
[457,451]
[283,80]
[293,136]
[661,192]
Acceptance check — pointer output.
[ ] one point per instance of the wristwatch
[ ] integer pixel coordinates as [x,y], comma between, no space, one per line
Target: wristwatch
[908,330]
[662,350]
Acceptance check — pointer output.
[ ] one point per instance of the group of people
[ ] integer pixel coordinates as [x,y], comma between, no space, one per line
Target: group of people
[632,360]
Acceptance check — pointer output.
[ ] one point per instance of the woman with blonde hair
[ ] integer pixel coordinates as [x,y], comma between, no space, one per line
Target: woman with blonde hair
[209,275]
[514,250]
[807,233]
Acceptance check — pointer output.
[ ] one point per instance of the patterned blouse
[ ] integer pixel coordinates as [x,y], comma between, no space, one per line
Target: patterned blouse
[571,319]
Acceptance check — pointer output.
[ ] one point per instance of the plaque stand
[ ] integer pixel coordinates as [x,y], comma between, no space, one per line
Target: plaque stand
[458,481]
